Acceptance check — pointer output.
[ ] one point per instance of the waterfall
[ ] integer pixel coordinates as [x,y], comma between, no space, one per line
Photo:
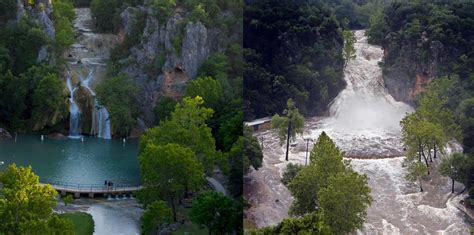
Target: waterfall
[89,53]
[364,116]
[100,115]
[75,115]
[365,104]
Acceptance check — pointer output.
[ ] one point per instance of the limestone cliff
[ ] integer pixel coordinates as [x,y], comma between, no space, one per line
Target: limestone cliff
[408,68]
[168,55]
[40,12]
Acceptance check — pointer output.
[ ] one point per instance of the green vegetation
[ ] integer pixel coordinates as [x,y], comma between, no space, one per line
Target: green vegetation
[349,51]
[155,217]
[83,222]
[309,224]
[252,155]
[63,15]
[164,9]
[22,42]
[164,108]
[26,207]
[330,197]
[169,171]
[120,95]
[186,127]
[427,131]
[215,211]
[48,102]
[455,168]
[289,125]
[290,173]
[208,88]
[68,199]
[291,51]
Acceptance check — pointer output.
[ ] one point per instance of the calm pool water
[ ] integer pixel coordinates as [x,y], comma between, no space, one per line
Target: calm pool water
[73,161]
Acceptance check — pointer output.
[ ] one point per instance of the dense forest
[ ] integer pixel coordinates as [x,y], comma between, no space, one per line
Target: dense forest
[294,50]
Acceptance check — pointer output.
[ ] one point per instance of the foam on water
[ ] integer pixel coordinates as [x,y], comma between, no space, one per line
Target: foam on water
[364,122]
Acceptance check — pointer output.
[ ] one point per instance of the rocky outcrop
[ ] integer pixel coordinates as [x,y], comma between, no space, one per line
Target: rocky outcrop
[4,134]
[167,57]
[41,14]
[407,70]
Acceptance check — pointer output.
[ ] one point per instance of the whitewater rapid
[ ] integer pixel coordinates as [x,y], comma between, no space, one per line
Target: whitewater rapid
[364,123]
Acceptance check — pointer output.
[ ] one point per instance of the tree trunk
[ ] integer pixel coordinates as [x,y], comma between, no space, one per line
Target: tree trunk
[173,208]
[429,154]
[288,139]
[452,185]
[426,161]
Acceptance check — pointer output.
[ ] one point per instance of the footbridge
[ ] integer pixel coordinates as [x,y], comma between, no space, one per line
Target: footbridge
[94,190]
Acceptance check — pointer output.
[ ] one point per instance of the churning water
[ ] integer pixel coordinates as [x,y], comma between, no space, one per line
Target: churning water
[364,122]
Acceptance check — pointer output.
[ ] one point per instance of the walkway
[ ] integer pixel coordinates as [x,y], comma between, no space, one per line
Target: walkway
[216,185]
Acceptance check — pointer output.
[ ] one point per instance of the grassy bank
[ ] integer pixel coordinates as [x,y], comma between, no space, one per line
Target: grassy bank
[83,223]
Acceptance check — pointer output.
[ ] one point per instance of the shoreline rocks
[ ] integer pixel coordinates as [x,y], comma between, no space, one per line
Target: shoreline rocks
[4,134]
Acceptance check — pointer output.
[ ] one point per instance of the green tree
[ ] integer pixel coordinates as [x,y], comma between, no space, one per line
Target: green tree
[120,95]
[215,211]
[206,87]
[186,127]
[48,102]
[345,201]
[312,223]
[349,49]
[419,136]
[156,215]
[190,112]
[164,108]
[415,172]
[252,155]
[326,161]
[26,206]
[168,171]
[290,173]
[235,161]
[106,14]
[455,168]
[68,200]
[289,125]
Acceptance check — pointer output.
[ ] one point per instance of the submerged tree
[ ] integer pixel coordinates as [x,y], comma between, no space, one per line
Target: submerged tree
[415,172]
[289,125]
[345,201]
[454,167]
[326,161]
[349,49]
[330,186]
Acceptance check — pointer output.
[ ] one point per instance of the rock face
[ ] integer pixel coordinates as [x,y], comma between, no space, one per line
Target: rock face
[4,134]
[41,14]
[406,75]
[168,55]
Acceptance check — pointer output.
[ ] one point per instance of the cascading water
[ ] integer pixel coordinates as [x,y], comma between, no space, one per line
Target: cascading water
[88,54]
[75,115]
[364,123]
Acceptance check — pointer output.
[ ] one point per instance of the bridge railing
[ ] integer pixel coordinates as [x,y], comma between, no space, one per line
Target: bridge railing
[91,187]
